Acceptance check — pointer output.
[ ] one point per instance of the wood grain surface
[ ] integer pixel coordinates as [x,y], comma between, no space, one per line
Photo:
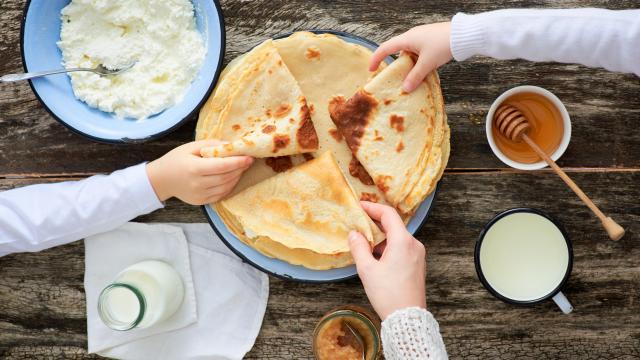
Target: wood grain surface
[42,310]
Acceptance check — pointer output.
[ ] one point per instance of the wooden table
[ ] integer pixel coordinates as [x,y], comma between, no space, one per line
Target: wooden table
[42,308]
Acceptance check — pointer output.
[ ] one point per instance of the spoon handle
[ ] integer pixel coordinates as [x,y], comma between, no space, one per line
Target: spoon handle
[614,230]
[31,75]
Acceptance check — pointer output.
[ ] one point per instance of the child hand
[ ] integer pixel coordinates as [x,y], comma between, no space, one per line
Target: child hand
[184,174]
[397,280]
[430,42]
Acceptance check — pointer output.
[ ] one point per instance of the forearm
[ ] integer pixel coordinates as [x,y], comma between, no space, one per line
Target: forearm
[592,37]
[42,216]
[412,333]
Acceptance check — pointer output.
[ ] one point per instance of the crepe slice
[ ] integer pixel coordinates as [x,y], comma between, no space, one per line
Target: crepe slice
[302,216]
[266,114]
[325,66]
[401,139]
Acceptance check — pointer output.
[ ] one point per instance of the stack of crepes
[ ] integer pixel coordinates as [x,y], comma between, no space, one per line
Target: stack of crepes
[401,139]
[300,210]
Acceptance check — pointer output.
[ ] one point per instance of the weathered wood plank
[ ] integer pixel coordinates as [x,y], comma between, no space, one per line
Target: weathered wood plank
[604,106]
[42,311]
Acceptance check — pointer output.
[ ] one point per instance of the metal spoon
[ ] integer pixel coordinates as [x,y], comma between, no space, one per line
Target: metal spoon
[100,70]
[358,338]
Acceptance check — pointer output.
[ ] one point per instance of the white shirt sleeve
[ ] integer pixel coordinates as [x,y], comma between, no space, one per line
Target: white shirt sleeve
[592,37]
[37,217]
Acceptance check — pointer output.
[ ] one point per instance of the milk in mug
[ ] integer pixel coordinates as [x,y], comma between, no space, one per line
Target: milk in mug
[524,256]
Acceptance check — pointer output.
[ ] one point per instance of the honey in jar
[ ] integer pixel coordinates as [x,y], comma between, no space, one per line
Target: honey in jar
[547,127]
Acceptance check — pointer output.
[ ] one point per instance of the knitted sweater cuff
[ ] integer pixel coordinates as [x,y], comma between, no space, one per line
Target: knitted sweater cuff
[412,333]
[467,36]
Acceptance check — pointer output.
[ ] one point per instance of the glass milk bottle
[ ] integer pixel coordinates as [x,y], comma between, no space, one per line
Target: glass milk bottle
[142,295]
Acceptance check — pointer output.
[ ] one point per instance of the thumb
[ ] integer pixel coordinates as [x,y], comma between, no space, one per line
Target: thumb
[360,249]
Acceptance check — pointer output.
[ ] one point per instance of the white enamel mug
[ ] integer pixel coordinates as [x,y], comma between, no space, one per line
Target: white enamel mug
[523,256]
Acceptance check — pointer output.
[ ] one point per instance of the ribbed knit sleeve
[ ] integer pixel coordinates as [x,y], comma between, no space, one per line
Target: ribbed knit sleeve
[412,334]
[592,37]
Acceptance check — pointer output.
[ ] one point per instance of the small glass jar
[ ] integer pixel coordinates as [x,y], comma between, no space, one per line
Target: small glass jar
[142,295]
[331,340]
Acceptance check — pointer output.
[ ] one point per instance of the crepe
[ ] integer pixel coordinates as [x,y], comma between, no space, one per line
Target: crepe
[398,137]
[302,216]
[438,155]
[265,114]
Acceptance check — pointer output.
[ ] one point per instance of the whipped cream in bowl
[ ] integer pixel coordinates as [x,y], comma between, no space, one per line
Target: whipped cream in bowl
[176,47]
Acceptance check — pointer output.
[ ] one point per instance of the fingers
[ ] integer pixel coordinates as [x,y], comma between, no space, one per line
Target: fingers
[387,48]
[195,146]
[360,250]
[421,69]
[217,180]
[216,166]
[387,216]
[217,193]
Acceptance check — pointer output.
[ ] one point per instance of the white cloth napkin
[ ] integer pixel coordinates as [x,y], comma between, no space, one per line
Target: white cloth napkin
[231,296]
[109,253]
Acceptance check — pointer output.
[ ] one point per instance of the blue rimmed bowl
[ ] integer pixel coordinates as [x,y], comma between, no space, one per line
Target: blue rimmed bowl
[40,33]
[283,269]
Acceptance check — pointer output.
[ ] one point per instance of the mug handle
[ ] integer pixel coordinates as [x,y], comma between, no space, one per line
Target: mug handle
[563,303]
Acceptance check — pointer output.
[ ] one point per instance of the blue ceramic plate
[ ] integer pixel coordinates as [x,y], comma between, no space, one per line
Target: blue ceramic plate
[283,269]
[41,31]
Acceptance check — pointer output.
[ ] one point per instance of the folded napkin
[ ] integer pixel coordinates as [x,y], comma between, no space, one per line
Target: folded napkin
[230,296]
[109,253]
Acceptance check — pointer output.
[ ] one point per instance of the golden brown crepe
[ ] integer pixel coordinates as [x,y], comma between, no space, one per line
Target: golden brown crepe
[264,113]
[398,137]
[302,216]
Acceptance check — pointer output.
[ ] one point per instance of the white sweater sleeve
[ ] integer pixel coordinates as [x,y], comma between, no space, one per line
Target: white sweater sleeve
[37,217]
[412,334]
[592,37]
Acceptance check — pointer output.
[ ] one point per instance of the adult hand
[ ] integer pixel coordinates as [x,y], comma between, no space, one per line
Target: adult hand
[432,44]
[396,280]
[184,174]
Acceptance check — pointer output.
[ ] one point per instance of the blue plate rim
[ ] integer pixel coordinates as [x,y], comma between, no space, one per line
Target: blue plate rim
[292,278]
[125,141]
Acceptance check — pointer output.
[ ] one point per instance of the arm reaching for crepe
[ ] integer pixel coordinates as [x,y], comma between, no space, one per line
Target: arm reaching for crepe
[592,37]
[38,217]
[395,286]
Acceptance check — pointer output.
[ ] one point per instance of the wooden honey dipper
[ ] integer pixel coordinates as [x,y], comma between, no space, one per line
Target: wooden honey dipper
[512,123]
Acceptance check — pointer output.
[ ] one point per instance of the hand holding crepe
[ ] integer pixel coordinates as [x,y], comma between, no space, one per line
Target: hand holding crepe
[264,114]
[401,139]
[302,216]
[184,174]
[396,280]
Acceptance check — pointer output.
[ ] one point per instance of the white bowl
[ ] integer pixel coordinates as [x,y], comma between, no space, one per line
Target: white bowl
[566,137]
